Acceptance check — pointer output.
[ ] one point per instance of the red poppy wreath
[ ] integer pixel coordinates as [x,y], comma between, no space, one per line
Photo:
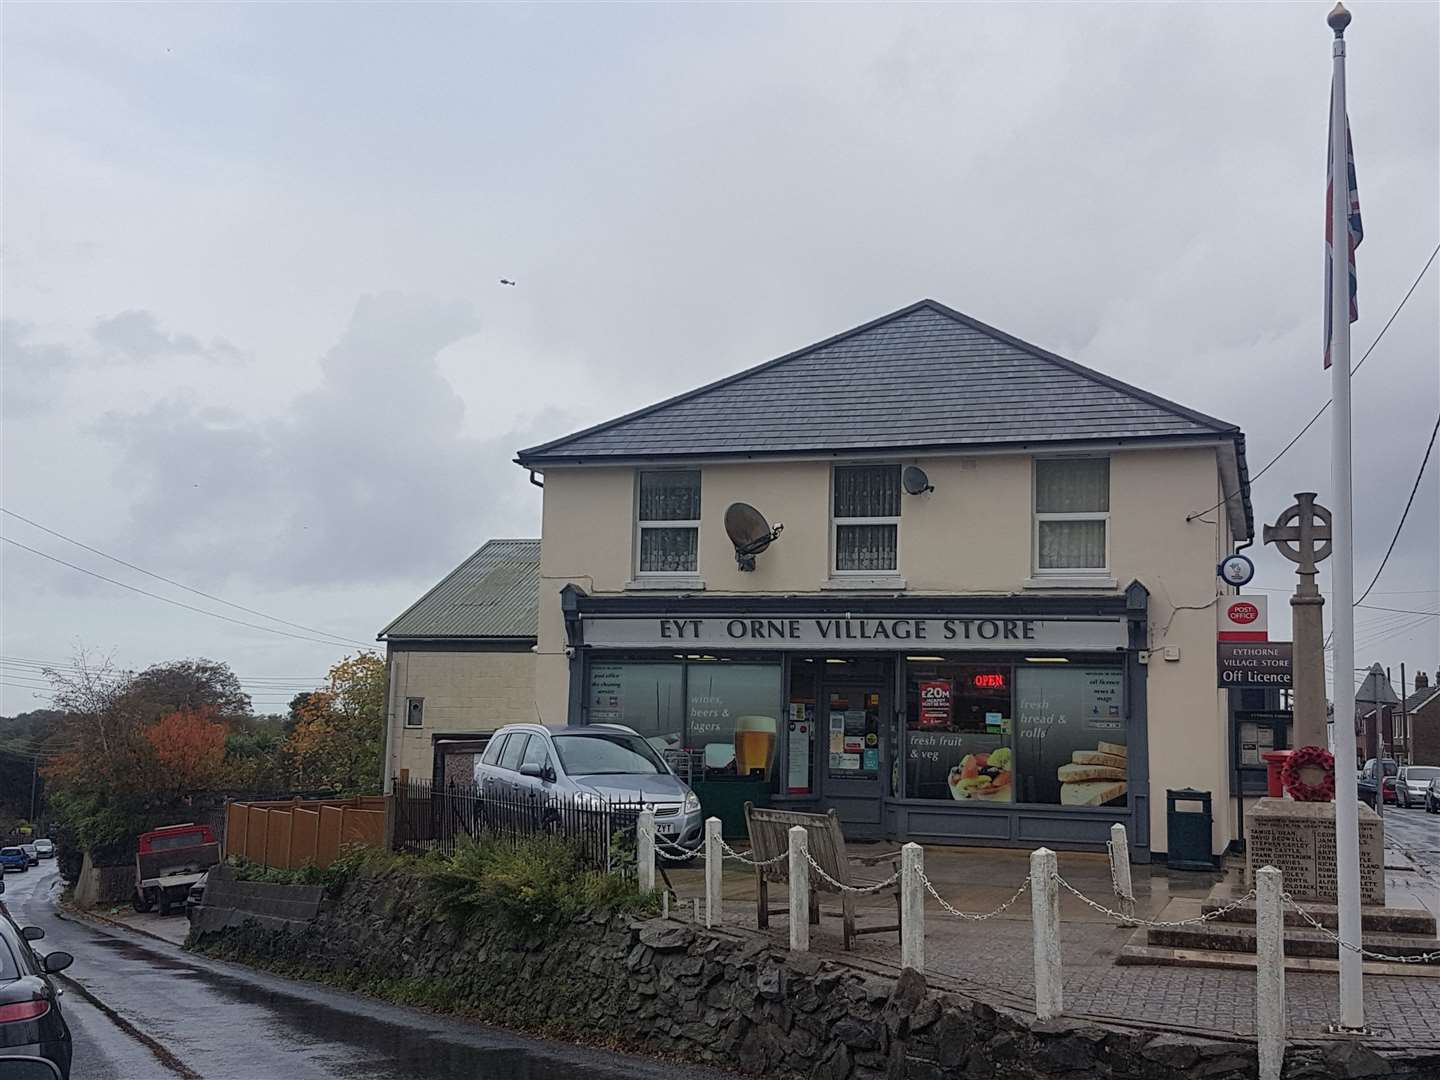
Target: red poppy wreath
[1307,761]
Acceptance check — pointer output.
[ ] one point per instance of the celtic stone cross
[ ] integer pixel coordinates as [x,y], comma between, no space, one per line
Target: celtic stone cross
[1307,540]
[1302,534]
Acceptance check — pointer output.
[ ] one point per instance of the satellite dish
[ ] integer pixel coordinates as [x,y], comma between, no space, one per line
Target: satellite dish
[915,480]
[749,532]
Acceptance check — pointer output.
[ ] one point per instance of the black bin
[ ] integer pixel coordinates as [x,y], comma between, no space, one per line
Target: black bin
[1189,830]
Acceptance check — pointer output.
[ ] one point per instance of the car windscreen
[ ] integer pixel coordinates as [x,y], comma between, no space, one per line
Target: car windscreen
[610,754]
[13,852]
[1421,772]
[176,840]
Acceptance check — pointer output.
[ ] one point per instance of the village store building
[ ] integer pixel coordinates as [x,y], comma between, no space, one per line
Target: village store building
[1016,647]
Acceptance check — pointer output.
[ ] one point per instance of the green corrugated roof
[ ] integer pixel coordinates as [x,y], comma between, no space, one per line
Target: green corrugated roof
[493,594]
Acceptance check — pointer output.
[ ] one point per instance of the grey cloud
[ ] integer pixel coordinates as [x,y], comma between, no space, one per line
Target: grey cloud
[137,336]
[367,477]
[33,371]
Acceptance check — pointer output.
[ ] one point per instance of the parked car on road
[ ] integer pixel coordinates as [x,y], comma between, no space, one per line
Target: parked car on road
[31,853]
[593,763]
[14,858]
[45,849]
[1365,787]
[1412,781]
[1432,797]
[32,1029]
[169,861]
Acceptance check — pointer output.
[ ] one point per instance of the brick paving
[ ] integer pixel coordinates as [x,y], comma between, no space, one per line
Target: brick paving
[992,960]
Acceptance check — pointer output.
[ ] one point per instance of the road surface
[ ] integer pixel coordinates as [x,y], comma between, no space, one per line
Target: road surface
[1417,834]
[141,1009]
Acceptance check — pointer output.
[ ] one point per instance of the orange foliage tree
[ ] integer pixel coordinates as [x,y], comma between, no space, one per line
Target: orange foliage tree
[187,752]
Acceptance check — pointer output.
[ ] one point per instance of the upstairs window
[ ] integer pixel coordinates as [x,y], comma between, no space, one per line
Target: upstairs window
[1072,515]
[865,515]
[669,521]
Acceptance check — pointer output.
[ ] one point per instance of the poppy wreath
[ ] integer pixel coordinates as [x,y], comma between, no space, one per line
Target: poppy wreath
[1310,757]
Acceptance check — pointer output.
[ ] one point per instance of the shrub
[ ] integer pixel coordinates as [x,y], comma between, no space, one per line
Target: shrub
[529,885]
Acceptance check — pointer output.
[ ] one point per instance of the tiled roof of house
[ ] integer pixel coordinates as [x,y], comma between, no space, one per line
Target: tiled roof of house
[922,377]
[492,594]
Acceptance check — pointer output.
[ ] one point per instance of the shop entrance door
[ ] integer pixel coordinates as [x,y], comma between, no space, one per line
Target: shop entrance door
[852,732]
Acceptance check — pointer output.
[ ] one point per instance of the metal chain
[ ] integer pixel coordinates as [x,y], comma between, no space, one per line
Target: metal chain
[1421,958]
[970,915]
[660,852]
[891,880]
[1132,920]
[727,852]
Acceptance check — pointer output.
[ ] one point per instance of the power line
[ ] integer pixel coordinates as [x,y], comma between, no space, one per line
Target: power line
[1413,286]
[177,584]
[177,603]
[1406,512]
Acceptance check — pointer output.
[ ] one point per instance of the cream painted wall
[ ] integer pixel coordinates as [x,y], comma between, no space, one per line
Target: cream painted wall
[971,535]
[463,691]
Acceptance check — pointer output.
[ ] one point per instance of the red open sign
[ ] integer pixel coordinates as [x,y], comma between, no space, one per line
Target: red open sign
[990,681]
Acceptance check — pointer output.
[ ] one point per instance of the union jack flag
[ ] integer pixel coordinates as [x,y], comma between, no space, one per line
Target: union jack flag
[1357,233]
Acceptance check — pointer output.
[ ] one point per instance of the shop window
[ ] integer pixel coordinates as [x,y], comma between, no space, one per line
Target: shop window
[645,696]
[853,732]
[865,517]
[1070,723]
[959,742]
[800,729]
[669,521]
[1072,514]
[732,716]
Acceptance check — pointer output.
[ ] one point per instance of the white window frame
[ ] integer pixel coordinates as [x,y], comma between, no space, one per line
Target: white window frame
[641,525]
[836,522]
[1036,517]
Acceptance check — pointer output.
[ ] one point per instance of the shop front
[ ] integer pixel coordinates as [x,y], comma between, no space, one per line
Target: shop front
[1012,721]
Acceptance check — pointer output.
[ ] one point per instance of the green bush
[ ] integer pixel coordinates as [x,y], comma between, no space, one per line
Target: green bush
[529,885]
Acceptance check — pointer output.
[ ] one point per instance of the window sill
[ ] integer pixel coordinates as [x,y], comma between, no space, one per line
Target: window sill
[878,583]
[666,584]
[1097,582]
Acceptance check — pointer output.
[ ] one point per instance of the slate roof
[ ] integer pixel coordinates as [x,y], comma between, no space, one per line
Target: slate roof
[495,593]
[925,376]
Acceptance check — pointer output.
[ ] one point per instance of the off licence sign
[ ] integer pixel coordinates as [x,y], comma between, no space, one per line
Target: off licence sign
[1255,664]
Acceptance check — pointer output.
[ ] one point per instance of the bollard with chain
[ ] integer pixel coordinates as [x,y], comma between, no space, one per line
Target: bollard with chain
[799,890]
[1045,915]
[912,907]
[1270,971]
[713,867]
[645,851]
[1120,870]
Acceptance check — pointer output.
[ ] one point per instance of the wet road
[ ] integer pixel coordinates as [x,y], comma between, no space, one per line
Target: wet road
[1417,834]
[140,1009]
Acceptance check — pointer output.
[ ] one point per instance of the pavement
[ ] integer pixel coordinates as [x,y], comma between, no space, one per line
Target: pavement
[991,959]
[140,1008]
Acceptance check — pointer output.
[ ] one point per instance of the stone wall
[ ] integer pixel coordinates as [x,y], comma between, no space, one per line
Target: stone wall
[733,999]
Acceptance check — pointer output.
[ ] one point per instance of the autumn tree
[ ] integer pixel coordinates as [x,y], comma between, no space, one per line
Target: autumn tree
[339,736]
[186,755]
[188,684]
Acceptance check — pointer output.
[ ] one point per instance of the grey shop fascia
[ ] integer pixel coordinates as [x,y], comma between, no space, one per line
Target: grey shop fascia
[841,637]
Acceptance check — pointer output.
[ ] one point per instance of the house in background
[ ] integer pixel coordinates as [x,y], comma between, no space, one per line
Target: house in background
[1422,719]
[461,663]
[990,617]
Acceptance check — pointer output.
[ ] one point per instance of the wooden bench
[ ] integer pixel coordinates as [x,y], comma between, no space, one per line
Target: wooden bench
[770,836]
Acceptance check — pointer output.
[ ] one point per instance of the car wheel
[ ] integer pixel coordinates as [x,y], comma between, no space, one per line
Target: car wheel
[141,902]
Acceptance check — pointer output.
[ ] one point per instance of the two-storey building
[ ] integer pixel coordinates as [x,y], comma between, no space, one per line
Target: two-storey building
[989,617]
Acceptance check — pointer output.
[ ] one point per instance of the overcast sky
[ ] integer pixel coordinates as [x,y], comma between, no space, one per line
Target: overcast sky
[254,338]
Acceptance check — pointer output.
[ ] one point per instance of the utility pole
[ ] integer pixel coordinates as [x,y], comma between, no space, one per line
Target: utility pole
[1405,717]
[34,780]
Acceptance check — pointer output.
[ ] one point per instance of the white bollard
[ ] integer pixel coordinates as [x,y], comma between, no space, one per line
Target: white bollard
[713,866]
[645,851]
[1270,971]
[1120,867]
[1045,914]
[799,891]
[912,908]
[665,904]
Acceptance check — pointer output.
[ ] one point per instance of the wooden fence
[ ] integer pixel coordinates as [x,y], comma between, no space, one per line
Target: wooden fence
[295,833]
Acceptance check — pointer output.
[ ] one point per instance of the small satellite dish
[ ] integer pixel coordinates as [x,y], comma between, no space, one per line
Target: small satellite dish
[915,480]
[749,532]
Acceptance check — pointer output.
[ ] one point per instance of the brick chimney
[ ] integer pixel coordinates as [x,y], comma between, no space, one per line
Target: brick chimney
[1422,681]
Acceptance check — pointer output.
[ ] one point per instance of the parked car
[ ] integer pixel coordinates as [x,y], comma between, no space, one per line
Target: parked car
[595,764]
[14,858]
[168,861]
[1432,797]
[1365,787]
[1411,782]
[45,849]
[31,853]
[32,1029]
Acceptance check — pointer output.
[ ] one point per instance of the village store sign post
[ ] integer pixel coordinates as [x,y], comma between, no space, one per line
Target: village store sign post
[881,632]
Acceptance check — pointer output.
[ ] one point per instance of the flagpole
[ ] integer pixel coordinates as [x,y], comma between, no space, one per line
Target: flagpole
[1347,824]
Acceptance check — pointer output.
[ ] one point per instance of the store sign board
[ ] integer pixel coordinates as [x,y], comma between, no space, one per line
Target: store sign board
[1254,664]
[833,633]
[1242,618]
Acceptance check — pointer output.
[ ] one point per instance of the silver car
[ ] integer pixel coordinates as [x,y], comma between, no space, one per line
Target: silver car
[596,764]
[1412,783]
